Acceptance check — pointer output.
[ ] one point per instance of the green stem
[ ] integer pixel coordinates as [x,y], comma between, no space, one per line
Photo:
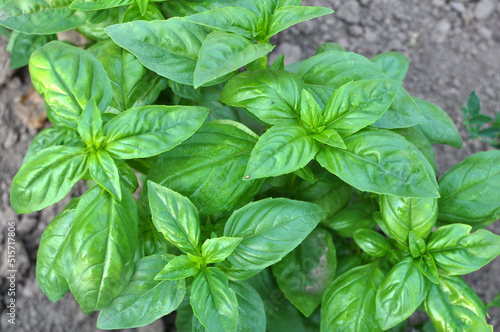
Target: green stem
[263,62]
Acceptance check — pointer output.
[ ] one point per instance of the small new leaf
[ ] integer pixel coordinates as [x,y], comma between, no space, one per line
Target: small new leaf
[180,267]
[216,250]
[310,112]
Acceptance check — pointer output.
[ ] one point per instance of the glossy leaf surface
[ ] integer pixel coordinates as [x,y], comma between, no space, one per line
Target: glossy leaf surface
[270,229]
[144,299]
[216,250]
[393,64]
[373,243]
[180,267]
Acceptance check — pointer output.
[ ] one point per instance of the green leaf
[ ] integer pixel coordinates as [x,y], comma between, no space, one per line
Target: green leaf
[52,136]
[382,162]
[349,302]
[469,191]
[404,215]
[439,127]
[348,220]
[222,53]
[400,294]
[281,150]
[238,20]
[473,104]
[40,16]
[427,266]
[142,132]
[93,29]
[132,84]
[286,16]
[143,5]
[310,112]
[127,176]
[402,113]
[416,244]
[454,306]
[373,243]
[393,64]
[330,137]
[279,63]
[47,177]
[68,77]
[99,4]
[356,105]
[175,217]
[305,273]
[180,267]
[49,272]
[189,7]
[326,72]
[328,191]
[99,257]
[270,228]
[104,171]
[251,313]
[144,299]
[210,166]
[458,252]
[329,47]
[24,45]
[133,13]
[213,302]
[273,96]
[216,250]
[415,136]
[90,124]
[173,56]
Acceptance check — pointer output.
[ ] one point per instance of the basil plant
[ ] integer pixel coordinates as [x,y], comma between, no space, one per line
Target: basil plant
[301,197]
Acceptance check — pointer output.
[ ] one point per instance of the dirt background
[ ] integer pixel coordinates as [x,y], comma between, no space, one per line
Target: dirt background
[454,48]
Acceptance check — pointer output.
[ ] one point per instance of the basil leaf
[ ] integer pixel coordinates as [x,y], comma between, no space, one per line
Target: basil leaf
[310,112]
[184,316]
[103,170]
[41,16]
[305,273]
[402,113]
[90,124]
[222,53]
[47,177]
[189,7]
[393,64]
[415,136]
[349,302]
[52,136]
[238,20]
[132,84]
[251,313]
[400,294]
[286,16]
[173,56]
[416,244]
[273,96]
[458,252]
[127,176]
[99,4]
[348,220]
[213,302]
[356,105]
[439,127]
[68,77]
[142,132]
[143,300]
[175,217]
[373,243]
[270,228]
[216,250]
[330,137]
[326,72]
[281,150]
[133,13]
[328,191]
[180,267]
[427,266]
[329,47]
[469,191]
[381,172]
[24,45]
[454,306]
[404,215]
[49,272]
[98,259]
[209,167]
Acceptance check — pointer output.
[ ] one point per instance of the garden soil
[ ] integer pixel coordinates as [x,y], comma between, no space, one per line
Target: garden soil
[454,48]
